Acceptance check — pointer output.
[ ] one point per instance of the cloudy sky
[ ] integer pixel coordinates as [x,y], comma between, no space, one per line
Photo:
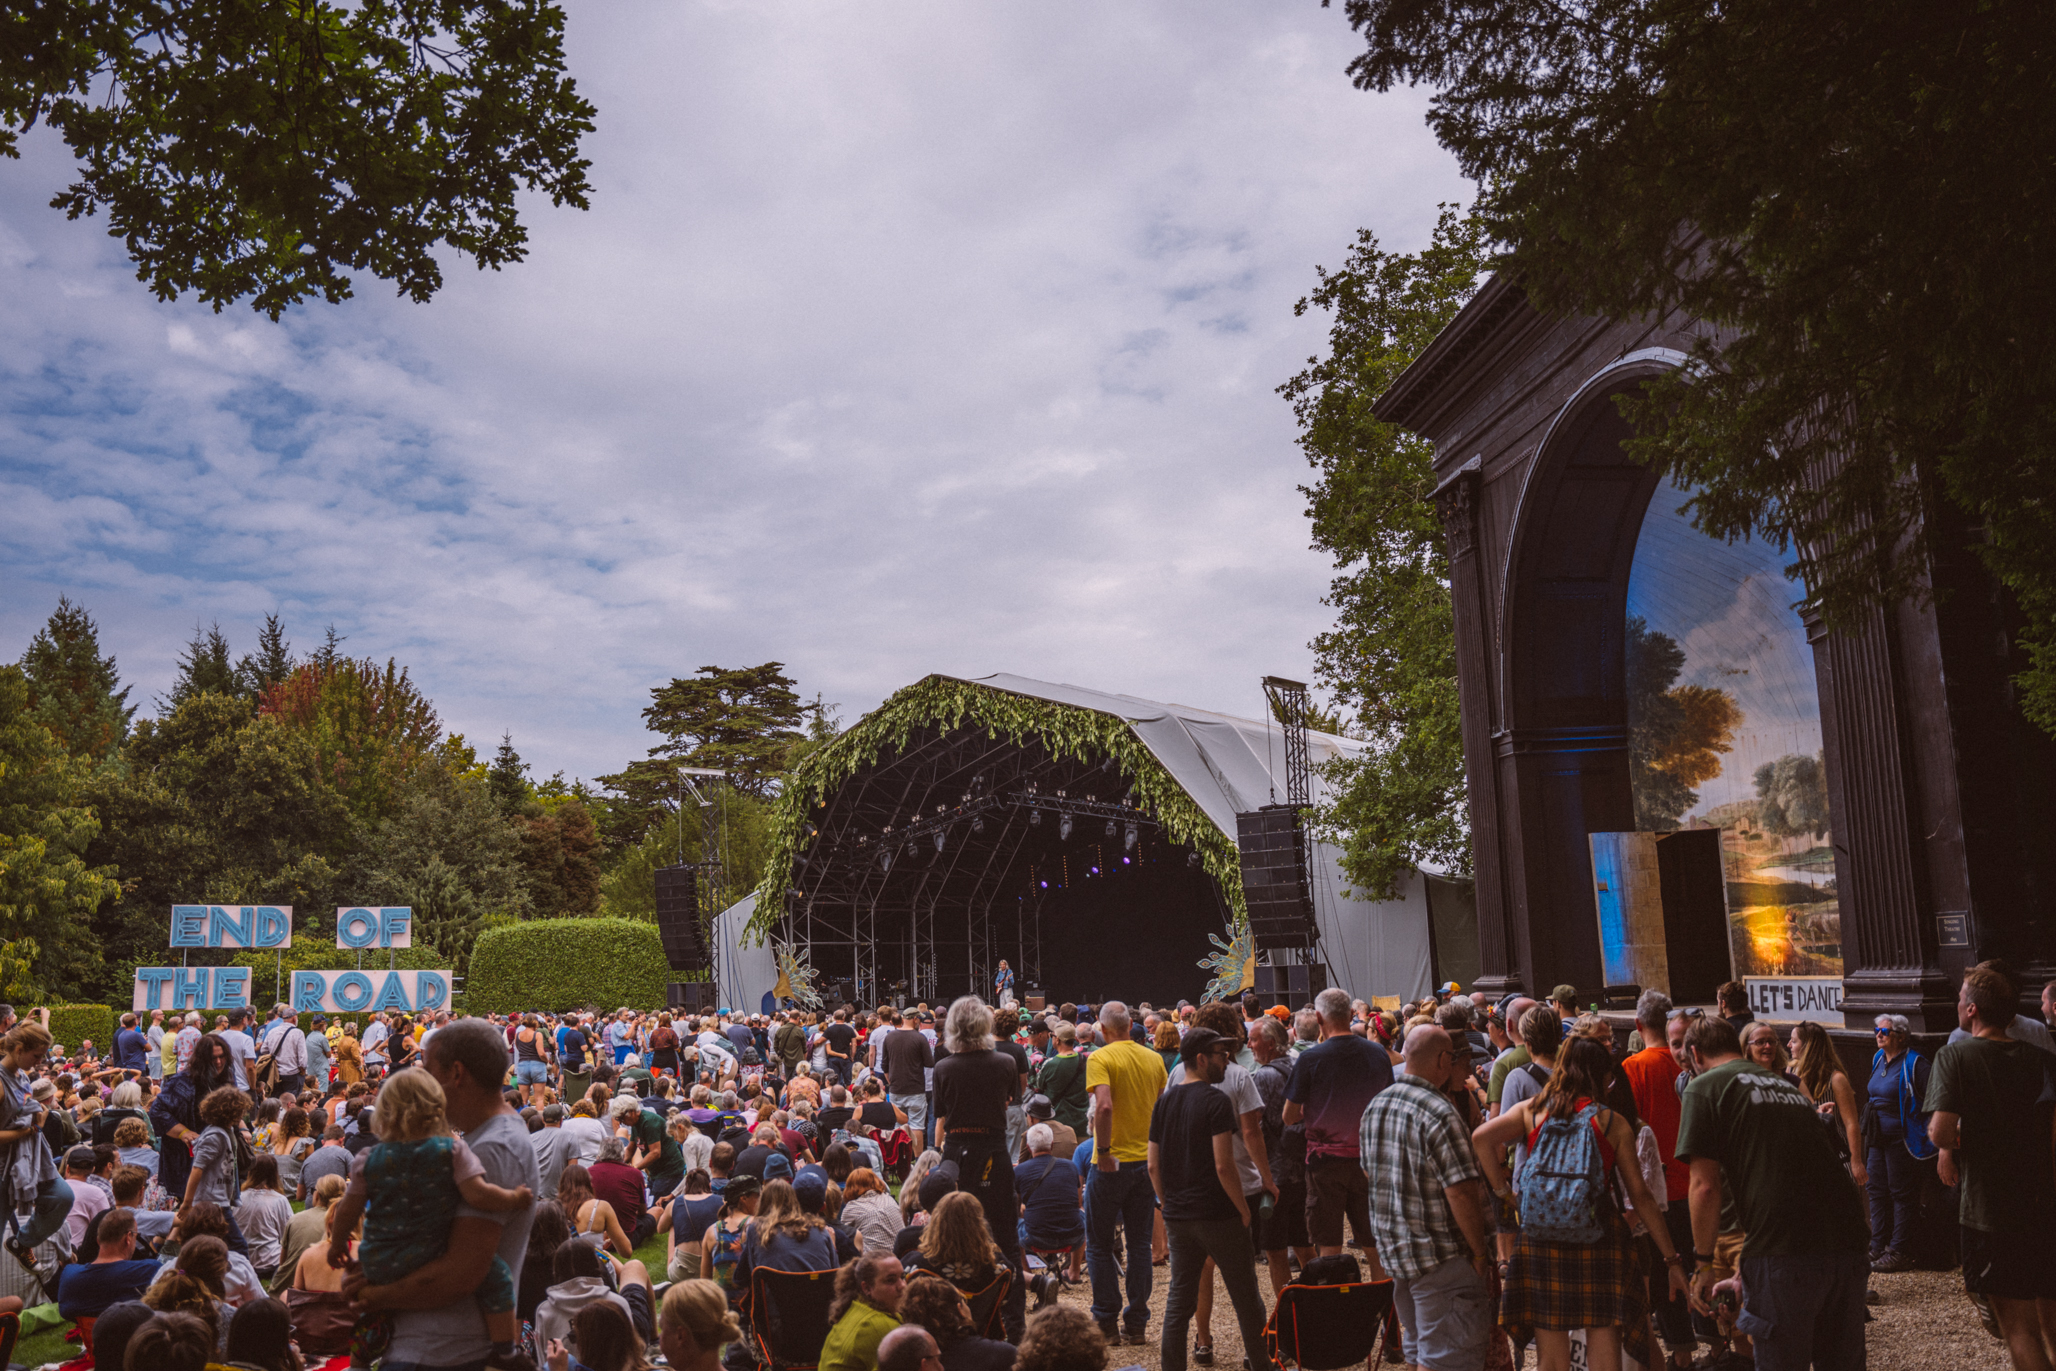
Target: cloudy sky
[900,338]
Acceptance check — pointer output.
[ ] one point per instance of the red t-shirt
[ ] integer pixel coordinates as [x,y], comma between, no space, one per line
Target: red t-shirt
[1653,1075]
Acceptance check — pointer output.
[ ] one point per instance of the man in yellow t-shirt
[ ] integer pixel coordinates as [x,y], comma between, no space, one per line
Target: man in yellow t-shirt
[1124,1079]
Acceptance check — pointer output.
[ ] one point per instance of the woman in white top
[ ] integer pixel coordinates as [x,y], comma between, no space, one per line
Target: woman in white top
[264,1214]
[592,1219]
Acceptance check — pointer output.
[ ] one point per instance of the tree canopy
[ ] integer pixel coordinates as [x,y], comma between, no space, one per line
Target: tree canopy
[245,149]
[1852,197]
[1390,659]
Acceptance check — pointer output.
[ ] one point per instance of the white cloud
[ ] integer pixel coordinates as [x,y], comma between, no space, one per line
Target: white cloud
[900,338]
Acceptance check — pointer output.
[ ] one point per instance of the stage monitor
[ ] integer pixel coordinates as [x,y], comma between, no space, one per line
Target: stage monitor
[692,997]
[678,918]
[1274,884]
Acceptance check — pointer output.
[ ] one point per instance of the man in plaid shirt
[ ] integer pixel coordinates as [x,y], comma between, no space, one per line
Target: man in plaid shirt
[1427,1200]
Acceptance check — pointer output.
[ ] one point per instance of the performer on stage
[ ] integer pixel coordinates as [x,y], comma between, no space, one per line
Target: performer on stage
[1003,984]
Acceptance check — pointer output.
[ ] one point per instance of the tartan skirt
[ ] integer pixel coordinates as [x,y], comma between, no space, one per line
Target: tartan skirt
[1561,1286]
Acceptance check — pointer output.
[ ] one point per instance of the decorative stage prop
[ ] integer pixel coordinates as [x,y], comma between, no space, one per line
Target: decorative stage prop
[1663,921]
[795,977]
[1233,965]
[270,927]
[1088,838]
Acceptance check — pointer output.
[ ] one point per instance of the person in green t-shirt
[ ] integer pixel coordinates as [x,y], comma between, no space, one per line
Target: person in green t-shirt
[1989,1100]
[1804,1263]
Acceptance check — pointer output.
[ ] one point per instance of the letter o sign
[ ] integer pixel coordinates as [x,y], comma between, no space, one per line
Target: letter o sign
[357,927]
[352,991]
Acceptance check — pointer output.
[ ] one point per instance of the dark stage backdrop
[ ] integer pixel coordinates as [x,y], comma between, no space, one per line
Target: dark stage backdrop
[1138,934]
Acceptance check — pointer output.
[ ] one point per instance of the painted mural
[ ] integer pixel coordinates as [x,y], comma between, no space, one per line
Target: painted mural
[1724,732]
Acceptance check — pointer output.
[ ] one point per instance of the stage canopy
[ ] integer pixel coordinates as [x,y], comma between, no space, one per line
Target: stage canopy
[1085,837]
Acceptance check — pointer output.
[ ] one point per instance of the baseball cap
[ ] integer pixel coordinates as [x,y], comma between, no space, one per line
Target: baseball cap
[1198,1042]
[941,1180]
[79,1158]
[1564,992]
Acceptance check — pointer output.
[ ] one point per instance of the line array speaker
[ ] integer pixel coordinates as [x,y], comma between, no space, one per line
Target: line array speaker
[694,997]
[1291,986]
[678,918]
[1274,884]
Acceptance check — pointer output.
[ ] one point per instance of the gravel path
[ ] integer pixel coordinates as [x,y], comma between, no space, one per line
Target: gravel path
[1925,1322]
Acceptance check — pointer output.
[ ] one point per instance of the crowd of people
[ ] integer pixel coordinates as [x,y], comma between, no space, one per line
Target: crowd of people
[473,1192]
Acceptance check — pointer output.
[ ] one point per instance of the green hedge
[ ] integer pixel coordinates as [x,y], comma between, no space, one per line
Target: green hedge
[557,964]
[71,1024]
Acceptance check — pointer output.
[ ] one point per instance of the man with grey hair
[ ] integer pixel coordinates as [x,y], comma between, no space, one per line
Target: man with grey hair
[1306,1030]
[554,1148]
[436,1319]
[1428,1207]
[1124,1079]
[1332,1084]
[973,1086]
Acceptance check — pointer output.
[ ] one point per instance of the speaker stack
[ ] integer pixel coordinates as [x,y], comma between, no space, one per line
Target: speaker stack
[1291,986]
[1274,884]
[685,941]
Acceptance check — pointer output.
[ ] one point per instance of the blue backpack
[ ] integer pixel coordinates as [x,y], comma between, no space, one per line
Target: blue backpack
[1563,1182]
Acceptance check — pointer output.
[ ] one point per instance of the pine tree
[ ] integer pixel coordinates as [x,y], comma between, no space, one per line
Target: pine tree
[270,664]
[72,687]
[508,778]
[203,668]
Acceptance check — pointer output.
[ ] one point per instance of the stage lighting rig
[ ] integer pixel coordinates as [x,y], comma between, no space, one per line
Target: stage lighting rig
[1132,837]
[1064,829]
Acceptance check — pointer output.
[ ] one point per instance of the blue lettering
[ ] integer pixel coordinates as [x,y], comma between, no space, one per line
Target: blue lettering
[357,927]
[188,987]
[393,925]
[231,988]
[431,990]
[393,994]
[222,925]
[188,925]
[309,988]
[153,979]
[351,991]
[274,927]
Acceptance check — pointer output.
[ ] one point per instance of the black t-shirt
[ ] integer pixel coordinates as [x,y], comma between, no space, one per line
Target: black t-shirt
[1020,1056]
[970,1352]
[972,1090]
[1184,1125]
[840,1036]
[879,1115]
[831,1119]
[750,1161]
[907,1058]
[574,1052]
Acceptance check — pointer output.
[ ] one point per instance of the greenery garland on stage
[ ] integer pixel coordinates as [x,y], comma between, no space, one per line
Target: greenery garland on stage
[1065,731]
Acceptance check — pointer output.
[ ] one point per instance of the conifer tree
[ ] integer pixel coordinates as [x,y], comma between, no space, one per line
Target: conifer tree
[203,668]
[74,690]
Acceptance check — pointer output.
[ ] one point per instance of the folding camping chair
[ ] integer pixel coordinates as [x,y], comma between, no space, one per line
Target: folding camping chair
[988,1301]
[1328,1327]
[789,1317]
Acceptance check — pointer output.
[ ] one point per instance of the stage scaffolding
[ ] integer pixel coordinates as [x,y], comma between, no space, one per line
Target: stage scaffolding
[929,867]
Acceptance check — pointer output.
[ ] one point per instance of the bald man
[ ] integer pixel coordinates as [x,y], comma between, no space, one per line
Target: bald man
[1513,1059]
[908,1347]
[1427,1201]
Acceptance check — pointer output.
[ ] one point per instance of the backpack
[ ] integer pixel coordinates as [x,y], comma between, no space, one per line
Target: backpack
[1563,1181]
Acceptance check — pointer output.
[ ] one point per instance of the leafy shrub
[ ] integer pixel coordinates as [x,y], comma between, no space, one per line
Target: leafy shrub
[557,964]
[72,1024]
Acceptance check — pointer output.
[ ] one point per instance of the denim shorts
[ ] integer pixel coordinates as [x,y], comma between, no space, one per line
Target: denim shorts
[531,1073]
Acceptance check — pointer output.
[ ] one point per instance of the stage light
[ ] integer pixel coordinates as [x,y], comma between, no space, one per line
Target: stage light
[1110,828]
[1034,816]
[978,824]
[939,836]
[1192,859]
[1134,836]
[1064,828]
[885,861]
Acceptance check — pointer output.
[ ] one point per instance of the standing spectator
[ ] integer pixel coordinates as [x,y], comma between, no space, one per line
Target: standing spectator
[175,1113]
[974,1084]
[1819,1069]
[241,1050]
[1513,1058]
[184,1041]
[789,1039]
[286,1045]
[1653,1074]
[374,1045]
[131,1048]
[1332,1084]
[1733,1000]
[155,1037]
[1062,1078]
[1426,1198]
[572,1057]
[1802,1264]
[908,1057]
[1896,1142]
[841,1043]
[1192,1167]
[1285,1146]
[1556,1283]
[2022,1028]
[318,1055]
[1988,1097]
[1124,1079]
